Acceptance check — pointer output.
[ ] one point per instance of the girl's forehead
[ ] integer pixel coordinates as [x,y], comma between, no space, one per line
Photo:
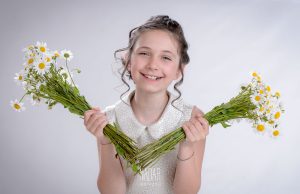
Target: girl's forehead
[157,40]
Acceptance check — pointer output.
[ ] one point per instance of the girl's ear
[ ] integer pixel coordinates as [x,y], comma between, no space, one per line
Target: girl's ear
[124,57]
[178,74]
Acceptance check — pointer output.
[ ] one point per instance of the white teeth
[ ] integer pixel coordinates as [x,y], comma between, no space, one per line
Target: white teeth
[151,77]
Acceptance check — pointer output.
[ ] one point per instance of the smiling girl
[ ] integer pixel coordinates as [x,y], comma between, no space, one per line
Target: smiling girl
[155,57]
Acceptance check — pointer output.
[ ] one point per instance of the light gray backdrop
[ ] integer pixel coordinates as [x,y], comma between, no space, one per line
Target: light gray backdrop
[46,152]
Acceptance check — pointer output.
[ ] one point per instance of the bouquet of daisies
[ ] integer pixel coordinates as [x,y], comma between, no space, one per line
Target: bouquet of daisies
[45,79]
[255,103]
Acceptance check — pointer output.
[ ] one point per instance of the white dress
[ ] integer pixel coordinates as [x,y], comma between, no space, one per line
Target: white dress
[157,179]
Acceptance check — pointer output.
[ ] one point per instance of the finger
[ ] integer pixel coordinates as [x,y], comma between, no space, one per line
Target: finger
[95,125]
[93,118]
[196,131]
[199,112]
[96,108]
[87,115]
[205,124]
[189,136]
[99,128]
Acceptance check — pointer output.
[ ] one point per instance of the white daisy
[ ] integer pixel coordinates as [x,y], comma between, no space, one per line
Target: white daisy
[275,133]
[19,78]
[66,54]
[41,66]
[42,47]
[259,128]
[18,106]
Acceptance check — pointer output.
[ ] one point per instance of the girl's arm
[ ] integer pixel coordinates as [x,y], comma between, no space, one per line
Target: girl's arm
[111,177]
[188,172]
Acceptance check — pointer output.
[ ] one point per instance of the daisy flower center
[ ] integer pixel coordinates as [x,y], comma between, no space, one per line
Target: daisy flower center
[30,61]
[42,66]
[275,133]
[20,77]
[42,49]
[260,128]
[277,115]
[17,106]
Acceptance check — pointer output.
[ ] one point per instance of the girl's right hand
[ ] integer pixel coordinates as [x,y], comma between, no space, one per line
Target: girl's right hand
[95,121]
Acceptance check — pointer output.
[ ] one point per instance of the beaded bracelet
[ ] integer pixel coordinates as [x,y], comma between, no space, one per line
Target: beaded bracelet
[186,158]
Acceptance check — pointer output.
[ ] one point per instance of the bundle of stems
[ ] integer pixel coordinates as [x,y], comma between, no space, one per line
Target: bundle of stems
[239,107]
[45,80]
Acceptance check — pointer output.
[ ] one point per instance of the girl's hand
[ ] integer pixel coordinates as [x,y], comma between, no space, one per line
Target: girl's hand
[197,128]
[95,121]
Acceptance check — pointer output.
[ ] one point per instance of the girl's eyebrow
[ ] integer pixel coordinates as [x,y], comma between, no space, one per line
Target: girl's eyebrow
[165,51]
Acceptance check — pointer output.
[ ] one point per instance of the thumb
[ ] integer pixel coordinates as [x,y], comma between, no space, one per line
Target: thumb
[96,108]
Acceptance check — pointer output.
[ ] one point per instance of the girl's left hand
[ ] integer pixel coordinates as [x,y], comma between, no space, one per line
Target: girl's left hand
[197,128]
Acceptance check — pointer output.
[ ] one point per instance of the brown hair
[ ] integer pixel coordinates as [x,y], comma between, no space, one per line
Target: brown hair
[159,22]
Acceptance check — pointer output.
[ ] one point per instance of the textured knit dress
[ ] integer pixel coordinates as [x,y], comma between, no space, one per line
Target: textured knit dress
[157,179]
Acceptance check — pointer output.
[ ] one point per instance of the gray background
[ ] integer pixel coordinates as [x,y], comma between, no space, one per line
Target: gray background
[45,151]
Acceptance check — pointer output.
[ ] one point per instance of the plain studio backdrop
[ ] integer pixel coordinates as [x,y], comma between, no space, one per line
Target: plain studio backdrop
[46,152]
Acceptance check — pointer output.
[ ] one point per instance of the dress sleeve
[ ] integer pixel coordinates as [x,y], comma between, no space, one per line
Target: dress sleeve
[110,113]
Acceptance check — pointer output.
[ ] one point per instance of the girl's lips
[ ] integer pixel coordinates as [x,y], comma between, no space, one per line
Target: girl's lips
[147,77]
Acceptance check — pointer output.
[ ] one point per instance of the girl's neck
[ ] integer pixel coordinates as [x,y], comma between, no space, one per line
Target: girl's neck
[148,107]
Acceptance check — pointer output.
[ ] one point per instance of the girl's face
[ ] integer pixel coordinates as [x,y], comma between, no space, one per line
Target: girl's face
[154,61]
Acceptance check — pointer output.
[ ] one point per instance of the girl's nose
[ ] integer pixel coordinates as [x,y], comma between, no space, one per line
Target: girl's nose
[152,63]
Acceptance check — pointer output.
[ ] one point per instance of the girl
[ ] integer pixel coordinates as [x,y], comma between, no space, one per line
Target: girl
[155,57]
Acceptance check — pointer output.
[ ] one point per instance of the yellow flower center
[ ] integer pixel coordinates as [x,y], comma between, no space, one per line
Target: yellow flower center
[48,59]
[17,106]
[56,54]
[277,115]
[268,111]
[275,133]
[42,49]
[261,109]
[268,88]
[261,91]
[260,128]
[20,77]
[271,122]
[42,66]
[254,74]
[277,94]
[30,61]
[257,98]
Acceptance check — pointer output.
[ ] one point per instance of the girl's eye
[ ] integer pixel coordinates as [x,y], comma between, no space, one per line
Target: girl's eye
[167,58]
[143,53]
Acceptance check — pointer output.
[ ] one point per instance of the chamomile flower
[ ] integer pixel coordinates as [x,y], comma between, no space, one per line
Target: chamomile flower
[42,47]
[66,54]
[275,133]
[17,106]
[260,128]
[19,78]
[41,66]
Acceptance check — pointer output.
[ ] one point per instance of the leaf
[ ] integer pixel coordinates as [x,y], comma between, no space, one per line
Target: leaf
[224,124]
